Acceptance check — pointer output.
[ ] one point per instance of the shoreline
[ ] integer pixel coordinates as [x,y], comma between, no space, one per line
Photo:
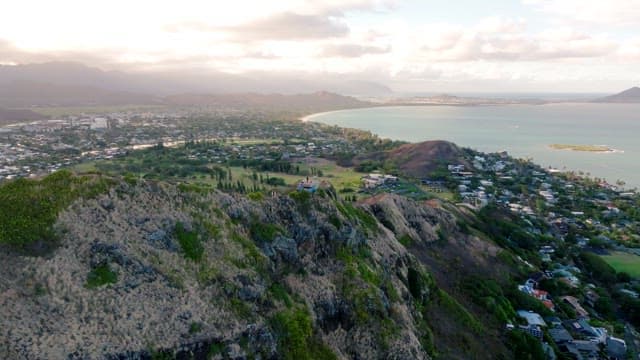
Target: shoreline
[309,117]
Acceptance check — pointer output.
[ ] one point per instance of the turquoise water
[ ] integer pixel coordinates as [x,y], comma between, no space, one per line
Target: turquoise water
[525,131]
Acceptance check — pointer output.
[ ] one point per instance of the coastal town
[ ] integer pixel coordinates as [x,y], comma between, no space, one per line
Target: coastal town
[40,147]
[563,227]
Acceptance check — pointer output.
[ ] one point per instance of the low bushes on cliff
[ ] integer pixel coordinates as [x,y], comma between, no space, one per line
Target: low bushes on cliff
[29,208]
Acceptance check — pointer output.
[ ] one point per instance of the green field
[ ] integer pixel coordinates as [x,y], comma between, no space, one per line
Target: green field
[624,262]
[340,177]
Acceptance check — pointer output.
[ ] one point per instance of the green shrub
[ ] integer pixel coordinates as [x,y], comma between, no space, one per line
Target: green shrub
[355,214]
[295,337]
[189,242]
[302,198]
[279,293]
[195,328]
[276,181]
[256,196]
[453,307]
[253,255]
[264,232]
[405,240]
[215,349]
[241,308]
[29,208]
[101,275]
[420,285]
[525,346]
[335,221]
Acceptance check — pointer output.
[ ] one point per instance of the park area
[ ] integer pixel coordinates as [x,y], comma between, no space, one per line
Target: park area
[624,262]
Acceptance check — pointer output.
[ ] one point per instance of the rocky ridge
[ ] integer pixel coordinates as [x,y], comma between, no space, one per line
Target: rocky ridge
[274,276]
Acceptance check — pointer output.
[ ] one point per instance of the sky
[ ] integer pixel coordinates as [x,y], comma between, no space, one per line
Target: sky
[411,46]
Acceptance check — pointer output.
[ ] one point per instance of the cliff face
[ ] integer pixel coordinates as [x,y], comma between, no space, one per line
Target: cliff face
[149,270]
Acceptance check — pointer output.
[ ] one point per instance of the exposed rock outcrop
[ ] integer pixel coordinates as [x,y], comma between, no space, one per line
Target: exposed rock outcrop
[239,279]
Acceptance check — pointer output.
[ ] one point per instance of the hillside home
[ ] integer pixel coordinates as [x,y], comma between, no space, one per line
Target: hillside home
[575,305]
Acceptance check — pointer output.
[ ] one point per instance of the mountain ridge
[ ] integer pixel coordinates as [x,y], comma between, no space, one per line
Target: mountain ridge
[631,95]
[167,83]
[8,116]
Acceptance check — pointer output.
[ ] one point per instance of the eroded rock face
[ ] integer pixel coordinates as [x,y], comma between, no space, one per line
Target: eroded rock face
[347,278]
[404,216]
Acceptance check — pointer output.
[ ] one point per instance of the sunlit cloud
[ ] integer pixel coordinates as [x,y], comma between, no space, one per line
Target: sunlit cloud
[369,39]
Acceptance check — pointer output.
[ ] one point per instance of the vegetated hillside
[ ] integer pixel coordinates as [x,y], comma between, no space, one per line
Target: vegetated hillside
[140,269]
[631,95]
[419,159]
[317,101]
[9,116]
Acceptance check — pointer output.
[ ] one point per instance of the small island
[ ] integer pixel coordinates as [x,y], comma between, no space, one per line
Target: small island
[587,148]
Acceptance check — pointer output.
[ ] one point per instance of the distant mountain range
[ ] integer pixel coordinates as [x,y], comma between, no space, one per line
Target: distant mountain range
[8,116]
[75,84]
[628,96]
[317,101]
[66,84]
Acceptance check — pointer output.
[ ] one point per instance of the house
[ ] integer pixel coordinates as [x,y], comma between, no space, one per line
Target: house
[575,305]
[548,351]
[533,330]
[629,293]
[616,348]
[583,350]
[591,297]
[374,180]
[560,335]
[582,328]
[529,289]
[547,195]
[308,185]
[536,277]
[532,318]
[553,321]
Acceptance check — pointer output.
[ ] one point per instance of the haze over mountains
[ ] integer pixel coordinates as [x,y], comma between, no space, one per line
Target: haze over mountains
[75,84]
[64,83]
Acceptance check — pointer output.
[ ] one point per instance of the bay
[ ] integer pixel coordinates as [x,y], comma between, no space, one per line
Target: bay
[525,131]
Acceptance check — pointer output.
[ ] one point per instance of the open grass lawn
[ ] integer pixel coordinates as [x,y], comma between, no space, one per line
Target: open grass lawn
[624,262]
[340,177]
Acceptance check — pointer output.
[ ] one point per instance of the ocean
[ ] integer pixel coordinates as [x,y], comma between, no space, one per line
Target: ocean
[525,131]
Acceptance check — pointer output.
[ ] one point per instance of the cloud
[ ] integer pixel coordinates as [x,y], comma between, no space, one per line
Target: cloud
[11,54]
[629,50]
[508,40]
[340,7]
[609,12]
[282,26]
[352,50]
[290,26]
